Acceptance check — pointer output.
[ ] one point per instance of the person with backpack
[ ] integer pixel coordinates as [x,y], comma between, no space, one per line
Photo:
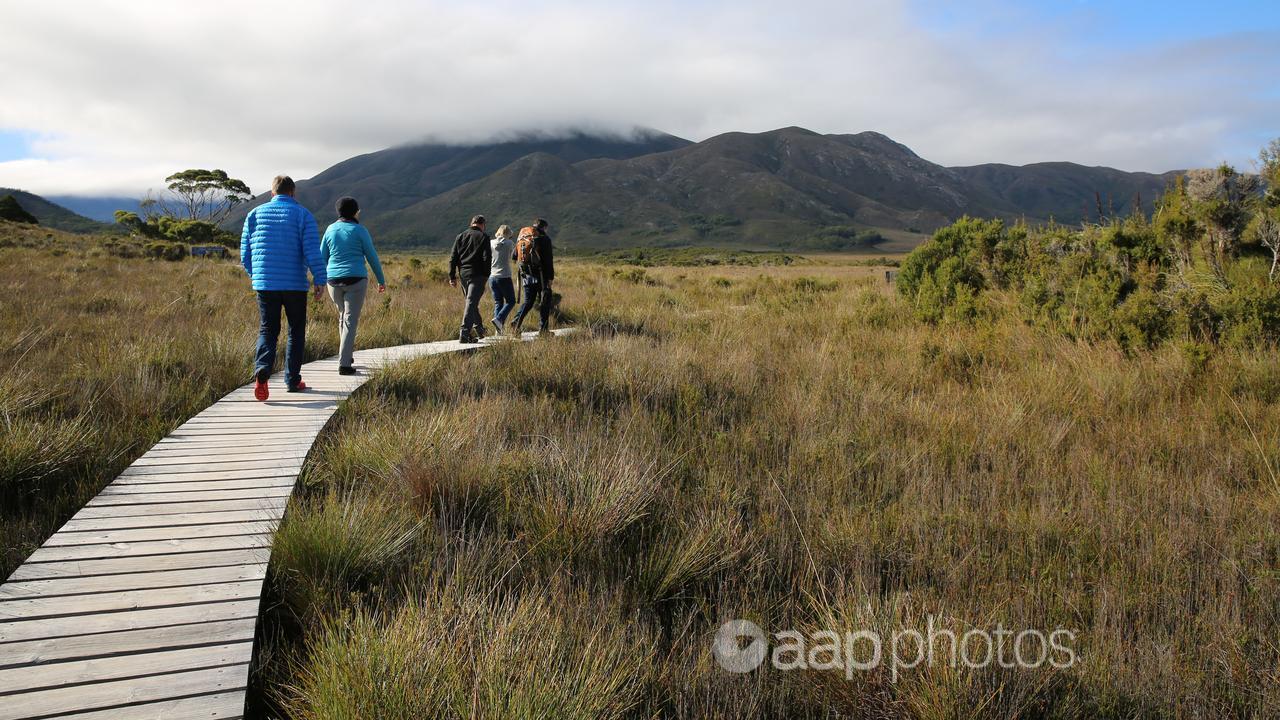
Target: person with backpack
[470,263]
[504,291]
[279,244]
[345,248]
[537,271]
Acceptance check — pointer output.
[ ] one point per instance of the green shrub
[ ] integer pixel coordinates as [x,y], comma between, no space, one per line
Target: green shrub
[161,250]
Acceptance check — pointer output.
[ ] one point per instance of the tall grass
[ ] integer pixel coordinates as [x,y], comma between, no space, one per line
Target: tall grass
[558,529]
[101,356]
[790,446]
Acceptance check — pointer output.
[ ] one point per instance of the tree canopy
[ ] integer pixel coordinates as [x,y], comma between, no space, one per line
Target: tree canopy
[207,195]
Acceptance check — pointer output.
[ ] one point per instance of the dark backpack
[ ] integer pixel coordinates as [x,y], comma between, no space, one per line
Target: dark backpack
[527,252]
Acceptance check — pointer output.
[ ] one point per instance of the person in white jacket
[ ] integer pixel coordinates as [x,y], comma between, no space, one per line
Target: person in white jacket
[500,284]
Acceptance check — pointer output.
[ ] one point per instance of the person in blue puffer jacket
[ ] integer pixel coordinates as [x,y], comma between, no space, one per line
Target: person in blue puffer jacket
[279,244]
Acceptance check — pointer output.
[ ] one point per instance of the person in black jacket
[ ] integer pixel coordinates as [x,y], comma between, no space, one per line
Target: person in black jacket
[469,263]
[536,277]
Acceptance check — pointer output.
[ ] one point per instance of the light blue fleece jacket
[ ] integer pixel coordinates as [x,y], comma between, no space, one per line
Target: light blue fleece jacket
[345,247]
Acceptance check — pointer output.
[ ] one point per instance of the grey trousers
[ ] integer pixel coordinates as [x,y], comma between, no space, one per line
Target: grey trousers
[472,292]
[349,299]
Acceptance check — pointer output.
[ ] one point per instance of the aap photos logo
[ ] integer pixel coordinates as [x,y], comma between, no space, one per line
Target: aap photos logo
[740,646]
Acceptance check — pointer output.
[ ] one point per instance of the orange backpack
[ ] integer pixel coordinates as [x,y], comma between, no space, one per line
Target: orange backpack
[527,252]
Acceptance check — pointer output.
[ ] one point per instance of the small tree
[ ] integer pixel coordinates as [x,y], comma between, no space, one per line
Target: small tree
[1176,226]
[207,195]
[1265,227]
[12,210]
[1221,201]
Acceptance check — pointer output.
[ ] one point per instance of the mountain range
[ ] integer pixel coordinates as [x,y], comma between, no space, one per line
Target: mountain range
[788,188]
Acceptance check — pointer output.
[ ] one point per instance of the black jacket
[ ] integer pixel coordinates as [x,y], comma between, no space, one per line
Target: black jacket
[472,257]
[542,246]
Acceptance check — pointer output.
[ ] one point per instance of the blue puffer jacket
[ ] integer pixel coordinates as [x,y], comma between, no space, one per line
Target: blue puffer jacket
[280,242]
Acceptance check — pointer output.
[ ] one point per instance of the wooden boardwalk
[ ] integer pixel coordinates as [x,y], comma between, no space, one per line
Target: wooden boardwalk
[144,604]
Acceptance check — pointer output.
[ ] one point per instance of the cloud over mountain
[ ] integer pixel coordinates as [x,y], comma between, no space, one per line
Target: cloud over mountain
[123,92]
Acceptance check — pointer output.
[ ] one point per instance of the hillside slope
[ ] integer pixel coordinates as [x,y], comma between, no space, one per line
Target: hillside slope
[53,215]
[392,179]
[775,189]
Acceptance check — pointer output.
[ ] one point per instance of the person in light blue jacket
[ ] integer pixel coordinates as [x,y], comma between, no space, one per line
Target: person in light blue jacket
[345,247]
[279,244]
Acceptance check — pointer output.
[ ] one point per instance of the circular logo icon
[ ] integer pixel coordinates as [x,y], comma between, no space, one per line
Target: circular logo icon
[739,646]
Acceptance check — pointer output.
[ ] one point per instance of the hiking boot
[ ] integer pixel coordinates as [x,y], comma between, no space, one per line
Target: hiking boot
[544,332]
[465,338]
[479,330]
[297,387]
[498,328]
[260,390]
[346,370]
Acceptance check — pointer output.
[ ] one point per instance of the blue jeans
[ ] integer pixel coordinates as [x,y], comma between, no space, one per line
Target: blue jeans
[294,304]
[504,298]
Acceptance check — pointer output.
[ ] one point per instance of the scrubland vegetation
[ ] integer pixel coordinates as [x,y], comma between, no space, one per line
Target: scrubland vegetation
[558,530]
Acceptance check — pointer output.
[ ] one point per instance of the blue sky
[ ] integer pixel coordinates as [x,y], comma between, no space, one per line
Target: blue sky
[1116,24]
[14,144]
[1135,85]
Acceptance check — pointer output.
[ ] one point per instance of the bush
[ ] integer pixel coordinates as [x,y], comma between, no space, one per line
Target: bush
[195,232]
[943,276]
[161,250]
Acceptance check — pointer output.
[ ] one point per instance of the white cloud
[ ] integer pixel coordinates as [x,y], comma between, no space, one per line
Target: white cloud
[123,92]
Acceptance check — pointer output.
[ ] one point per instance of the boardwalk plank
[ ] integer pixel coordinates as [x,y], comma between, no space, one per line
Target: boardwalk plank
[136,548]
[113,524]
[143,564]
[111,537]
[92,624]
[123,692]
[13,591]
[217,706]
[205,504]
[77,672]
[46,607]
[135,495]
[126,642]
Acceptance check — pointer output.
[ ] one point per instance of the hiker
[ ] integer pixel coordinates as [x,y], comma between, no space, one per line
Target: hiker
[537,271]
[504,291]
[345,248]
[279,244]
[469,263]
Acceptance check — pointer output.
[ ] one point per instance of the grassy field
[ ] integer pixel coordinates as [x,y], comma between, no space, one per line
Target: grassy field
[558,530]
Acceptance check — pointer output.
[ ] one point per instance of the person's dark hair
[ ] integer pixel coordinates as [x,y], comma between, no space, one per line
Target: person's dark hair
[282,185]
[347,208]
[540,224]
[477,221]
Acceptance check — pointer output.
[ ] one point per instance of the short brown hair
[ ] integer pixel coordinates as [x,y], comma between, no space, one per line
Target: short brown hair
[540,223]
[282,185]
[477,221]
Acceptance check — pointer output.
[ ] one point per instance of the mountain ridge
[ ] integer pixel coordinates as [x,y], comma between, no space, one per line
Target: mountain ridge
[776,189]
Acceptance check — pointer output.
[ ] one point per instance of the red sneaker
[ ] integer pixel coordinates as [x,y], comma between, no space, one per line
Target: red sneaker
[300,387]
[260,390]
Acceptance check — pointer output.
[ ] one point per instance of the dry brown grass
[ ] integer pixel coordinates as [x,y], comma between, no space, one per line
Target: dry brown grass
[790,447]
